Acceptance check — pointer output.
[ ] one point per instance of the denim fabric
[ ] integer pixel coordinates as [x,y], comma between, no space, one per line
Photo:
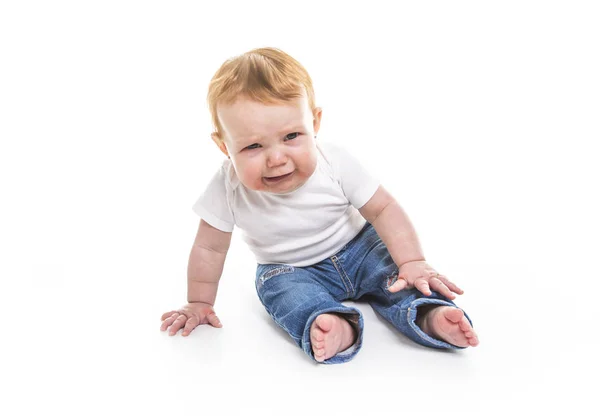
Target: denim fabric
[361,271]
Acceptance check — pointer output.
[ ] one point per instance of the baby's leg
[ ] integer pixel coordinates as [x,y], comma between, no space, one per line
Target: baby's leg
[433,321]
[300,304]
[446,327]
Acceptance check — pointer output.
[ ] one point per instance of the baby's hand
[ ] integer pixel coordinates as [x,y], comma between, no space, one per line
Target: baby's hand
[422,276]
[189,317]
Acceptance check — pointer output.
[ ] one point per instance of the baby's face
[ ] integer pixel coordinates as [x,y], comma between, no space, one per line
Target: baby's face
[272,147]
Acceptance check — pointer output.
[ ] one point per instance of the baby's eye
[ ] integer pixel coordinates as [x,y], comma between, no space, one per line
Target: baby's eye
[253,146]
[294,135]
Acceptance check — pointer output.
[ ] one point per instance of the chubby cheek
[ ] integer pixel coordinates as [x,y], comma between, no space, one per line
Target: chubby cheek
[307,163]
[250,174]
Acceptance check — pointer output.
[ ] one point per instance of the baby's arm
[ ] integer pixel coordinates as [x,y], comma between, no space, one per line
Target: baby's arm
[398,234]
[205,267]
[393,226]
[206,262]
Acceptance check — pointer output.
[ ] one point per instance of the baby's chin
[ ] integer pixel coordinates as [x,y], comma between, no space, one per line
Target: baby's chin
[285,191]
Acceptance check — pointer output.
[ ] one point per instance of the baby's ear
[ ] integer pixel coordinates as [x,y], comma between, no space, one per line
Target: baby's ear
[317,114]
[220,143]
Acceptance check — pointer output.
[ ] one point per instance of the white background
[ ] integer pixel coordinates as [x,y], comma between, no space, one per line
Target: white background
[482,118]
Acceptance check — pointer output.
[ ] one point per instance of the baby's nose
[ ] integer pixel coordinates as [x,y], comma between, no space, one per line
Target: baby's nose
[276,158]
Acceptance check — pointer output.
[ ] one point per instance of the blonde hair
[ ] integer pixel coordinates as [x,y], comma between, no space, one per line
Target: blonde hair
[266,75]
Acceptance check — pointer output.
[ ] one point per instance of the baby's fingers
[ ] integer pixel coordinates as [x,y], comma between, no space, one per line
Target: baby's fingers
[167,314]
[450,285]
[422,286]
[438,285]
[191,323]
[179,322]
[168,320]
[398,285]
[214,320]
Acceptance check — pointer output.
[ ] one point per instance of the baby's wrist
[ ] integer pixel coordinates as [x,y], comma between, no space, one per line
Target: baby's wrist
[410,261]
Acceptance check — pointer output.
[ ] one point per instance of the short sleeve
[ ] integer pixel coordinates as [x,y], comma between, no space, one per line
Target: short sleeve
[357,183]
[213,206]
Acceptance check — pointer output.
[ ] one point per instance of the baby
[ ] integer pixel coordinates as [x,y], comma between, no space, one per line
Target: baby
[322,229]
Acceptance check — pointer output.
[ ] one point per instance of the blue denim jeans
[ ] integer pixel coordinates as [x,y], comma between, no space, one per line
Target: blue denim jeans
[361,271]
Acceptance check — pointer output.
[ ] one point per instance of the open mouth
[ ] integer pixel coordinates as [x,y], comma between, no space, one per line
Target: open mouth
[274,179]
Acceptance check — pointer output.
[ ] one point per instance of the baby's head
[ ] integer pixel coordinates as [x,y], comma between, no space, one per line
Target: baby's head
[263,109]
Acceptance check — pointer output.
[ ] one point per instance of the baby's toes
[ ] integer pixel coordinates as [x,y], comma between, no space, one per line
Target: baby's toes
[325,322]
[468,332]
[472,338]
[319,350]
[319,354]
[316,335]
[317,340]
[318,347]
[454,315]
[464,325]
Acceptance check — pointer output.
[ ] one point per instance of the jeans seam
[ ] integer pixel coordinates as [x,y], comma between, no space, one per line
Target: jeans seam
[343,275]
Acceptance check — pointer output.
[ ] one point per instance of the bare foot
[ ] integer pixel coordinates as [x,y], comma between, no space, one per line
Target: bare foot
[449,324]
[330,334]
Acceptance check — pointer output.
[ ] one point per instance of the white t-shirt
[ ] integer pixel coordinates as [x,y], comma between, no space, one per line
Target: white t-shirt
[299,228]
